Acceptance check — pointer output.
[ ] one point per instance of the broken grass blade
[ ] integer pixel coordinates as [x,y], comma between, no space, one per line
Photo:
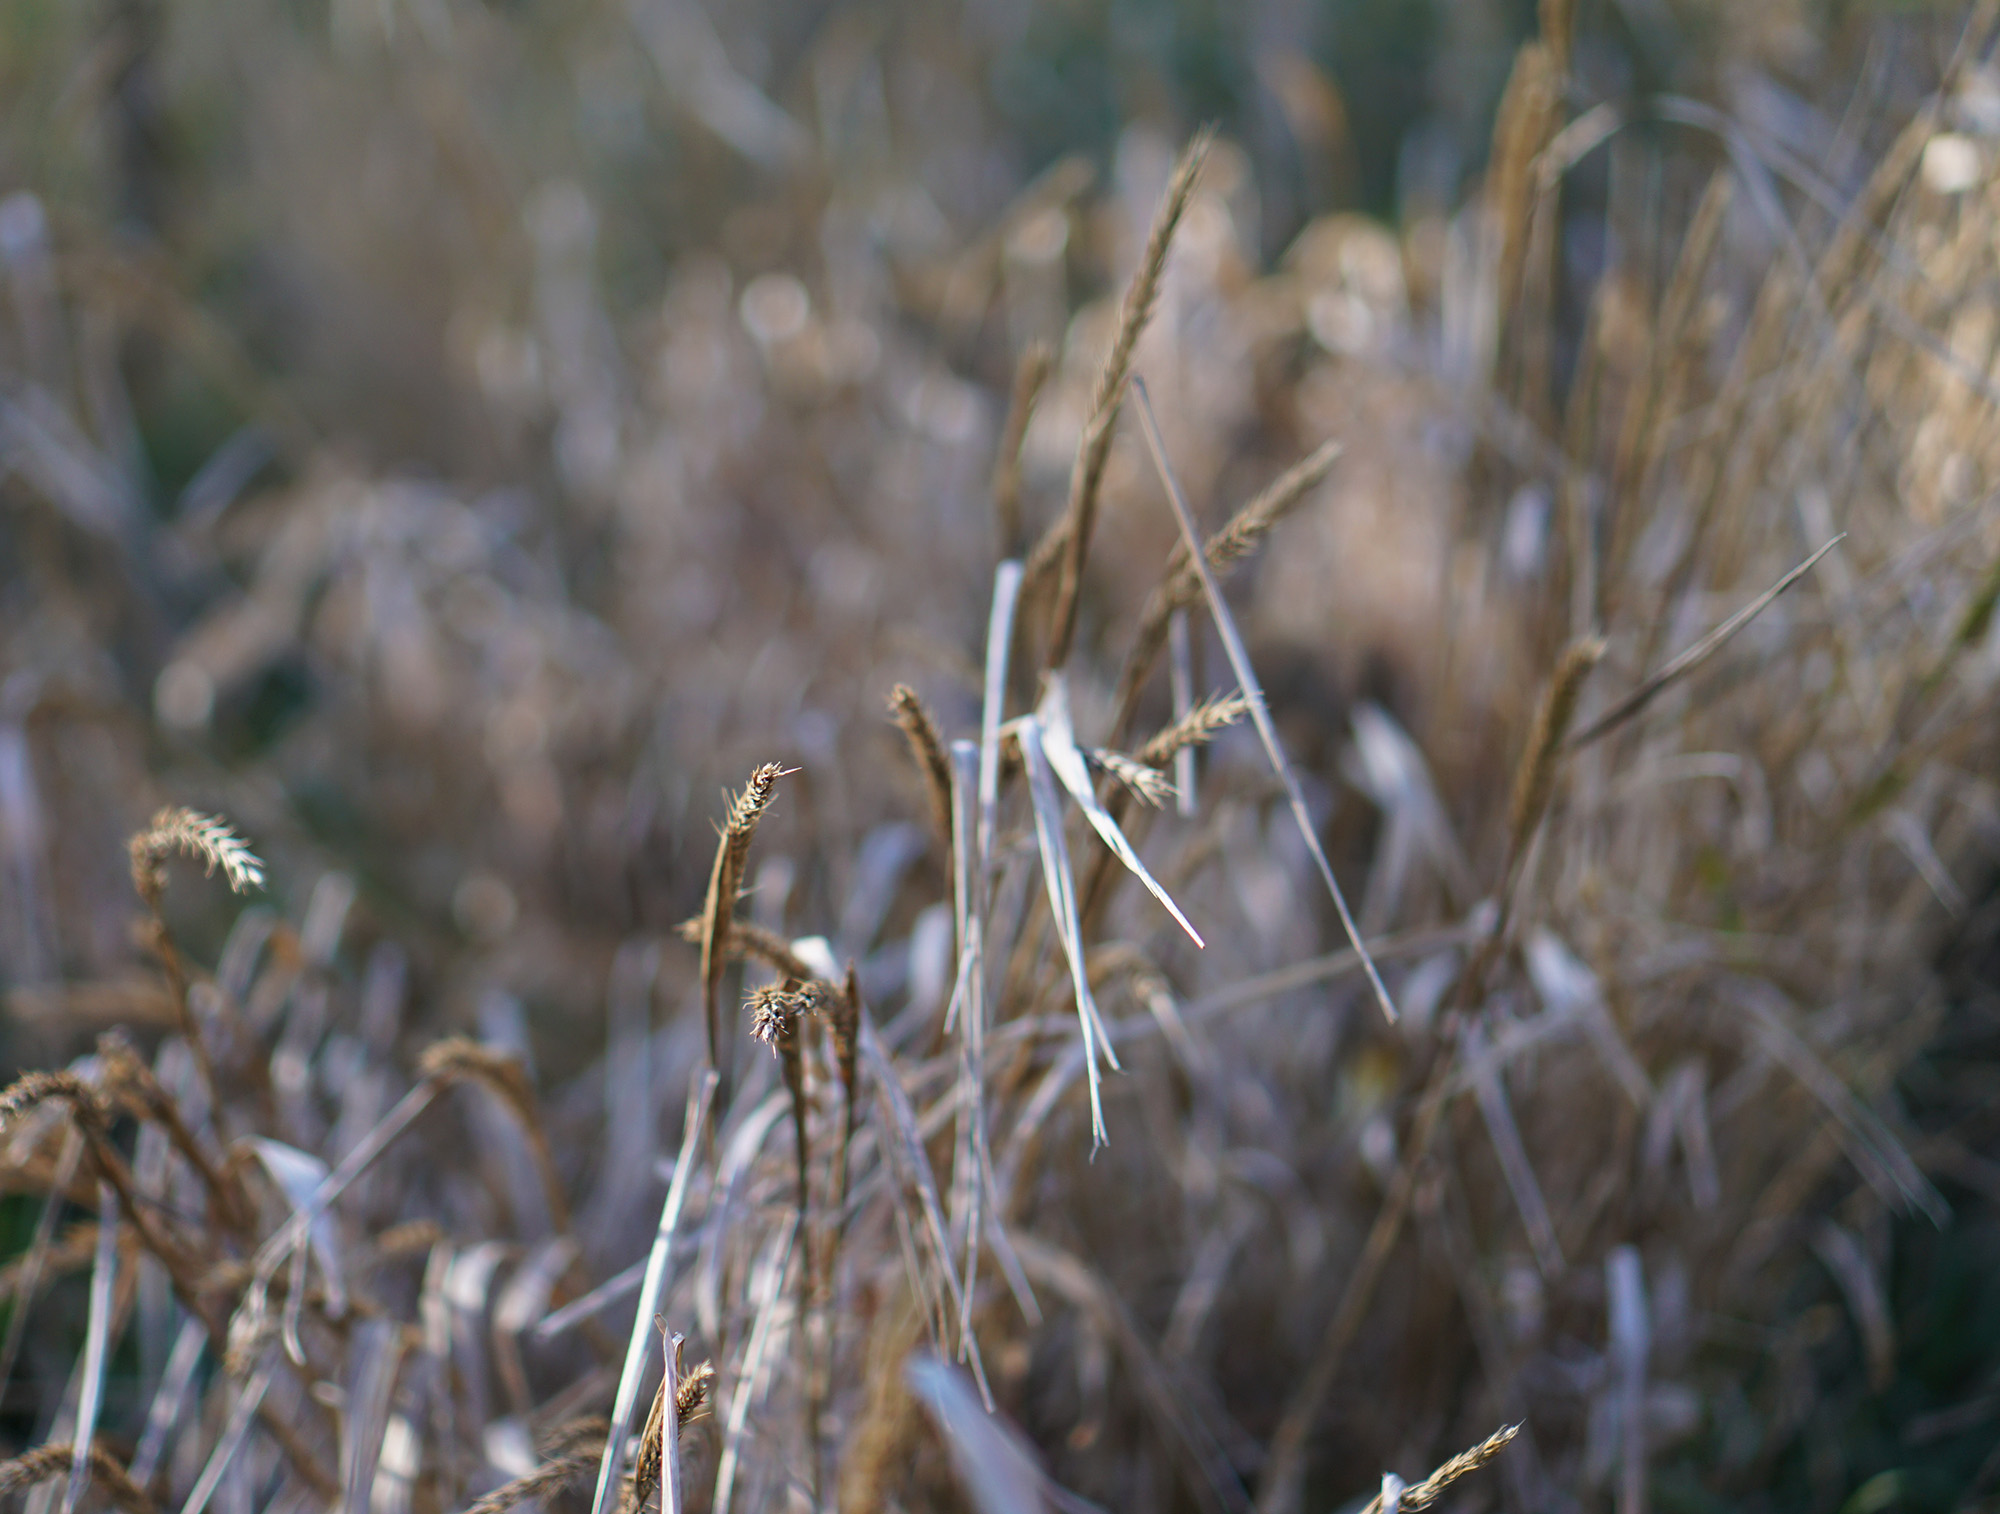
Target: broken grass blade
[999,640]
[1246,678]
[96,1345]
[1059,747]
[1062,905]
[670,1428]
[650,1291]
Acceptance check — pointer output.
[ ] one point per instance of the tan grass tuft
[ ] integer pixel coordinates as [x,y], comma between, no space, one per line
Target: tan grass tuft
[459,1058]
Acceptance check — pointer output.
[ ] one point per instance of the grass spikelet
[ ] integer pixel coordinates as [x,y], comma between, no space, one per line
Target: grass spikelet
[719,911]
[1427,1492]
[651,1459]
[211,841]
[691,1398]
[1095,448]
[1200,725]
[33,1089]
[1525,122]
[208,839]
[1246,529]
[54,1459]
[1534,780]
[1148,784]
[927,748]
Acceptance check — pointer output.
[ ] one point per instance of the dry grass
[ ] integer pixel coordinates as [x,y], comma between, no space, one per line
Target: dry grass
[1615,628]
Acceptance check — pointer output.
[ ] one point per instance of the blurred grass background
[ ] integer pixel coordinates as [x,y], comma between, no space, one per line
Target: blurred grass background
[483,278]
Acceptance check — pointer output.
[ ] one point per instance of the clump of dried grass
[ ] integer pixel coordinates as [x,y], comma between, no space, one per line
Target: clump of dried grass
[1737,827]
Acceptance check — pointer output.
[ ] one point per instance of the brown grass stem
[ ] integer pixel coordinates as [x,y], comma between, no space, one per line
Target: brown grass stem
[1686,662]
[927,750]
[54,1459]
[732,848]
[1087,478]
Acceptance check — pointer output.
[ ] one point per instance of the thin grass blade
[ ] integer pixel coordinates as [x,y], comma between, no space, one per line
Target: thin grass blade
[650,1291]
[1246,678]
[1061,885]
[999,642]
[96,1345]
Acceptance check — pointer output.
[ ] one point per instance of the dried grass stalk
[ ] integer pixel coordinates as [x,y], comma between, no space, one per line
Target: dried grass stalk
[1253,693]
[211,841]
[1199,726]
[1031,373]
[723,882]
[927,748]
[131,1082]
[1534,780]
[749,941]
[208,839]
[1686,662]
[1148,784]
[1427,1492]
[1095,447]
